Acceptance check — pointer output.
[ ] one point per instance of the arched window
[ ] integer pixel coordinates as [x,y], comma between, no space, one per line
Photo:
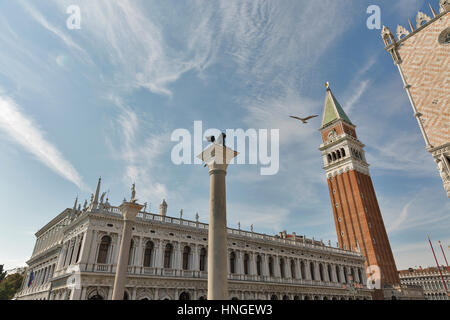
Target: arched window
[330,276]
[285,297]
[148,252]
[232,262]
[338,274]
[321,272]
[246,264]
[271,266]
[130,257]
[334,156]
[345,275]
[185,295]
[103,250]
[186,254]
[273,297]
[311,268]
[343,152]
[168,256]
[303,270]
[203,259]
[293,273]
[338,154]
[258,265]
[352,273]
[330,159]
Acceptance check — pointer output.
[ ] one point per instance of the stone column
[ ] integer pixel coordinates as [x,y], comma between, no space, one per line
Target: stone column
[217,157]
[75,250]
[129,211]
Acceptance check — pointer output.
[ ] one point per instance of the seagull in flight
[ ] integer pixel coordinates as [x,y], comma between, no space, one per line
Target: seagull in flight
[304,120]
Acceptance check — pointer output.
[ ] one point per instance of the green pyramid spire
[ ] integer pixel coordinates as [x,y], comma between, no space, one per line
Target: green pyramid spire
[332,110]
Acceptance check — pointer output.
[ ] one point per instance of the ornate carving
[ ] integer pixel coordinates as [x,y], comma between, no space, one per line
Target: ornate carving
[421,19]
[401,32]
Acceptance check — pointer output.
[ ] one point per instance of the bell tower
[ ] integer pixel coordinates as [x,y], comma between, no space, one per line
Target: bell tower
[358,220]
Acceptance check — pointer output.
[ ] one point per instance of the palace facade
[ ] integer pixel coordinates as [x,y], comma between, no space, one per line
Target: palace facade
[422,56]
[76,253]
[429,279]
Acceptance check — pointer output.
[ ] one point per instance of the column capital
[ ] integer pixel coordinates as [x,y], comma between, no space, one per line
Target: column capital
[217,157]
[130,210]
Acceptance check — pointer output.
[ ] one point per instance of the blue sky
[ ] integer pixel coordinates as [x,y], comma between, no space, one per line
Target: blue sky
[104,100]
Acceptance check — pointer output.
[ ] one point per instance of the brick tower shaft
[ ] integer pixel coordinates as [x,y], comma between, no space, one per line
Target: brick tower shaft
[358,219]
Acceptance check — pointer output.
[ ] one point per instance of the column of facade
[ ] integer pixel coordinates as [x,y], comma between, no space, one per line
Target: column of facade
[62,254]
[298,270]
[75,250]
[140,253]
[307,270]
[277,271]
[178,261]
[160,255]
[288,269]
[253,270]
[69,252]
[265,266]
[93,248]
[196,259]
[114,252]
[86,246]
[341,271]
[240,263]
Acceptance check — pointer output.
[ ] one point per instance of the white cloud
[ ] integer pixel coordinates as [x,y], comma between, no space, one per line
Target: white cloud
[24,131]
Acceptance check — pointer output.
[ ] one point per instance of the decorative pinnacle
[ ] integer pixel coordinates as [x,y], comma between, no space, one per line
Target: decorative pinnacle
[327,85]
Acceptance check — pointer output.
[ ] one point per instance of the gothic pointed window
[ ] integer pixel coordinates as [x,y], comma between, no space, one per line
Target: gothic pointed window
[232,263]
[148,253]
[168,256]
[203,259]
[186,254]
[103,250]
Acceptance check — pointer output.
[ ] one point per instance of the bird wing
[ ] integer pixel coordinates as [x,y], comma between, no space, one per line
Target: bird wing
[294,117]
[311,117]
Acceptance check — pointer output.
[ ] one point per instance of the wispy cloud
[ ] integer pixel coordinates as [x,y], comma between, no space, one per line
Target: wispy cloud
[20,128]
[46,24]
[139,154]
[356,95]
[401,218]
